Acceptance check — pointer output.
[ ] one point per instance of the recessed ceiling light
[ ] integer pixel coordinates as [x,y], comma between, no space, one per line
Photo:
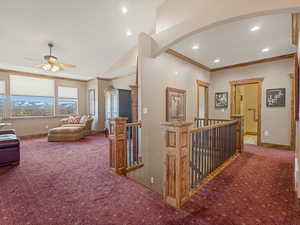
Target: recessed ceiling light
[265,50]
[124,10]
[255,28]
[128,33]
[196,47]
[217,60]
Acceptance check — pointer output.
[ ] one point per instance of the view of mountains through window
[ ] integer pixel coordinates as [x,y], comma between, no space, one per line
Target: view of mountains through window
[23,106]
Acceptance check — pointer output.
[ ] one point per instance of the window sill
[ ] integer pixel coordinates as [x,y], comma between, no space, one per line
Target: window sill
[34,118]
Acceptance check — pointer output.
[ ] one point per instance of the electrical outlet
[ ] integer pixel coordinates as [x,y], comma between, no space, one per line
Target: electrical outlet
[266,133]
[152,180]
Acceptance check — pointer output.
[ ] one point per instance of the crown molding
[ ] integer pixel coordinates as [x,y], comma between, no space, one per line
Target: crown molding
[40,75]
[272,59]
[187,59]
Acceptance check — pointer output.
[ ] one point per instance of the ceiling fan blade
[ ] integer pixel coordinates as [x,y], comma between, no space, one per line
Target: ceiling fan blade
[40,65]
[67,65]
[35,60]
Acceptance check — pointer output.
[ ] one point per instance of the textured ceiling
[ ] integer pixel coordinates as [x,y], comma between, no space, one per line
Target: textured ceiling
[235,43]
[90,34]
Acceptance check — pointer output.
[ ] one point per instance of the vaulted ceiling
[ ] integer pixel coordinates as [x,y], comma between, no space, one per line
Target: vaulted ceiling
[240,42]
[91,34]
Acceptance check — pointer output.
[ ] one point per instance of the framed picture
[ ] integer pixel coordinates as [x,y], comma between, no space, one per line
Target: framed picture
[221,100]
[275,97]
[92,102]
[176,104]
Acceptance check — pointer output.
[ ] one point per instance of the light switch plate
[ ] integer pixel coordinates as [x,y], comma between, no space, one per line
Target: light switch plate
[152,180]
[145,110]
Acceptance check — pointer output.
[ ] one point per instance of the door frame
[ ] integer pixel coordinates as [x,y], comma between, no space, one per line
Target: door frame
[293,112]
[233,85]
[206,92]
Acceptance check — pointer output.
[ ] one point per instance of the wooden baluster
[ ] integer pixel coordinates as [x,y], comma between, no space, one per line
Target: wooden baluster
[130,149]
[118,146]
[176,163]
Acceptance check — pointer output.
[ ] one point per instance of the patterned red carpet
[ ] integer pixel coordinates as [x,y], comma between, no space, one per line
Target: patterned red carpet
[69,183]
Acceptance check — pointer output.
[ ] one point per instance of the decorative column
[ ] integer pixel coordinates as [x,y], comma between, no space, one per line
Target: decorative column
[176,163]
[118,145]
[239,132]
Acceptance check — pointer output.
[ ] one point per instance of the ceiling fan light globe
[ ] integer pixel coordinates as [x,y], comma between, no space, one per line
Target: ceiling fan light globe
[55,68]
[47,66]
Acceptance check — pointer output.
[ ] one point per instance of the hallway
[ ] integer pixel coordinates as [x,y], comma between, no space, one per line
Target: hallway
[256,189]
[70,183]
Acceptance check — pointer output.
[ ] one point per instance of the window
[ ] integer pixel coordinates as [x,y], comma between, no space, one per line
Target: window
[2,98]
[31,96]
[67,102]
[92,102]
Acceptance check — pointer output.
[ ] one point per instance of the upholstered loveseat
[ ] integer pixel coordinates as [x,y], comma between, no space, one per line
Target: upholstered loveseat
[71,129]
[85,124]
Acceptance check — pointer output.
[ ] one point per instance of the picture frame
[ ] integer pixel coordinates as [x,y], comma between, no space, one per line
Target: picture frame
[275,97]
[175,104]
[221,100]
[92,101]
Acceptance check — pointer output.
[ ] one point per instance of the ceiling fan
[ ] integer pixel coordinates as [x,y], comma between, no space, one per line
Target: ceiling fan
[51,62]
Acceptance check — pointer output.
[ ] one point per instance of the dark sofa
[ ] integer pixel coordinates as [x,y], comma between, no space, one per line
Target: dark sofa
[9,148]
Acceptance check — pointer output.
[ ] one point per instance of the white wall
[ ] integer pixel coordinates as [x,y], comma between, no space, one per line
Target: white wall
[276,75]
[158,74]
[124,82]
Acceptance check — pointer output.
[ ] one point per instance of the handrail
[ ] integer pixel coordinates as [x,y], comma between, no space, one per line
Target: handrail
[202,122]
[195,129]
[211,119]
[139,124]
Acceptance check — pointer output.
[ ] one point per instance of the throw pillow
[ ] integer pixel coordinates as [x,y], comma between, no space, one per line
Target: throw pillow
[74,119]
[84,119]
[70,119]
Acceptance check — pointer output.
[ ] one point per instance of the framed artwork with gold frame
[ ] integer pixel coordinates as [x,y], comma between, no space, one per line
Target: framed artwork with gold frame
[175,104]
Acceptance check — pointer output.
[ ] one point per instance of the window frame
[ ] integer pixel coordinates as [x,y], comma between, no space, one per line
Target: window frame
[8,103]
[5,99]
[57,110]
[92,102]
[11,95]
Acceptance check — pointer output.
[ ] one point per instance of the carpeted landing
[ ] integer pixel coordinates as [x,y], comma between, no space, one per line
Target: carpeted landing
[70,183]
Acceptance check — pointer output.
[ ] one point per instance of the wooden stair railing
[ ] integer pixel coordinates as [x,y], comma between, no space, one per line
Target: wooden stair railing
[191,155]
[134,159]
[211,146]
[202,122]
[124,154]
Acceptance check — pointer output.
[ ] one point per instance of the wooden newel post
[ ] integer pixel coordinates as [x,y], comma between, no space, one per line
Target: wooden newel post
[118,145]
[176,163]
[239,132]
